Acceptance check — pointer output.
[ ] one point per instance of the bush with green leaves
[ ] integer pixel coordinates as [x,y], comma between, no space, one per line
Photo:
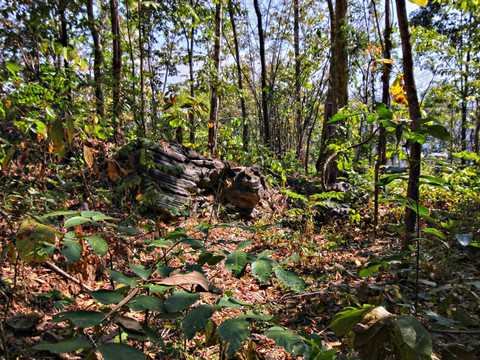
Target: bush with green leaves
[169,295]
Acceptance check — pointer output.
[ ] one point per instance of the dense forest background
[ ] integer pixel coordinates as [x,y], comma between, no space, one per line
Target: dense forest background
[363,118]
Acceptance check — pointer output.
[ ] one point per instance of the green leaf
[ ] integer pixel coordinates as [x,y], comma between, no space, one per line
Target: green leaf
[65,346]
[344,321]
[371,118]
[114,351]
[196,319]
[80,318]
[98,245]
[384,112]
[290,279]
[436,130]
[233,332]
[128,230]
[35,242]
[122,278]
[209,258]
[143,271]
[340,116]
[412,341]
[180,300]
[244,244]
[8,157]
[292,342]
[74,221]
[59,213]
[262,270]
[236,263]
[231,303]
[435,232]
[72,250]
[147,302]
[107,297]
[256,316]
[13,68]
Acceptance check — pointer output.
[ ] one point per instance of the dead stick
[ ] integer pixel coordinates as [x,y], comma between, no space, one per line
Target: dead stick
[452,331]
[64,274]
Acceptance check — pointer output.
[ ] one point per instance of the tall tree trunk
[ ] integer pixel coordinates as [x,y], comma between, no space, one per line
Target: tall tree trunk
[476,145]
[338,92]
[116,64]
[190,45]
[214,102]
[382,142]
[240,80]
[298,85]
[263,76]
[97,60]
[132,60]
[415,156]
[141,35]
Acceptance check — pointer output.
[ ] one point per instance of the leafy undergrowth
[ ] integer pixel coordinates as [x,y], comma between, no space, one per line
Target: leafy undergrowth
[198,287]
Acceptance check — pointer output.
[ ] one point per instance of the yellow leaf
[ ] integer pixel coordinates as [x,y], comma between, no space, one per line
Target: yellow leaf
[397,90]
[211,125]
[419,2]
[112,171]
[88,156]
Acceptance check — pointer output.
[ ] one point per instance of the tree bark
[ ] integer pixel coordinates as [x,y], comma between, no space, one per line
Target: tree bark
[415,150]
[116,63]
[239,71]
[298,86]
[337,96]
[190,44]
[141,35]
[214,101]
[387,68]
[263,76]
[97,60]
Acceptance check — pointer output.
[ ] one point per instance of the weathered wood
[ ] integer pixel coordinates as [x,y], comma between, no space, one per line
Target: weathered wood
[182,174]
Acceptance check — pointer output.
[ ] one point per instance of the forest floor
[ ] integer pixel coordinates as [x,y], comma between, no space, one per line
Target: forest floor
[328,256]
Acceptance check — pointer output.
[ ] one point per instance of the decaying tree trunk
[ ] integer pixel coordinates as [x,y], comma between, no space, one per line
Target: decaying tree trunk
[183,176]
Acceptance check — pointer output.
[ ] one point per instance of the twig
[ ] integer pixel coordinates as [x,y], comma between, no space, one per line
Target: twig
[64,274]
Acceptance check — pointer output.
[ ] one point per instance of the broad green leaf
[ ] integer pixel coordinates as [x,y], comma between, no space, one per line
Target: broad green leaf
[292,342]
[290,279]
[65,346]
[72,250]
[231,303]
[74,221]
[236,263]
[371,118]
[419,2]
[344,321]
[13,68]
[98,244]
[122,278]
[143,271]
[56,136]
[437,131]
[147,302]
[244,244]
[412,341]
[180,300]
[233,332]
[256,316]
[107,297]
[262,270]
[114,351]
[340,116]
[128,230]
[435,232]
[80,318]
[384,112]
[209,258]
[196,319]
[59,213]
[35,242]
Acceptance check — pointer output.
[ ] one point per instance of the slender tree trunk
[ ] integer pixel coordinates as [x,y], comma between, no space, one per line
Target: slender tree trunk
[415,156]
[141,35]
[263,76]
[476,145]
[239,71]
[214,102]
[132,60]
[298,85]
[382,142]
[116,63]
[97,60]
[190,45]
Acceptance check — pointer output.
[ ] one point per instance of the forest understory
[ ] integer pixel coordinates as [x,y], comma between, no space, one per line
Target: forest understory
[342,261]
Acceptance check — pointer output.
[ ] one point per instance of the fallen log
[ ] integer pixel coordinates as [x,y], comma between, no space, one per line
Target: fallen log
[182,176]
